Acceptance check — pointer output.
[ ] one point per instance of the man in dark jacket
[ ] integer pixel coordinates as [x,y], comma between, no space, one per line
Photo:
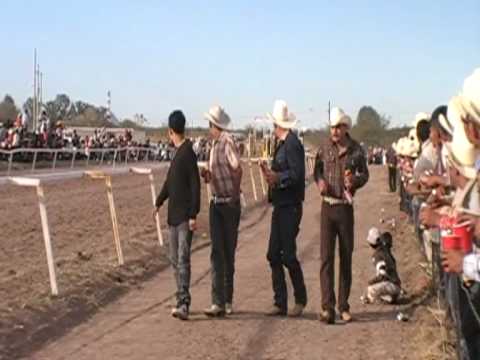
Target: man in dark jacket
[286,180]
[340,170]
[182,188]
[392,168]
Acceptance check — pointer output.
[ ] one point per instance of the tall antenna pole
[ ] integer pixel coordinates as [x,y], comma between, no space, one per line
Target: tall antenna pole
[41,89]
[39,104]
[329,110]
[34,106]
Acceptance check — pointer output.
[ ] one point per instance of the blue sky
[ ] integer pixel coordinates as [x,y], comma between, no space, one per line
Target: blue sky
[400,57]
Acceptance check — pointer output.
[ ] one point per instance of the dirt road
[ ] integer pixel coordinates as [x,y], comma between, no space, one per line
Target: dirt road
[139,326]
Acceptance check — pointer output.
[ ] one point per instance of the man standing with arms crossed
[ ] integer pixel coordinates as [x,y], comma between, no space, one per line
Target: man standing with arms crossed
[286,180]
[340,170]
[225,175]
[182,188]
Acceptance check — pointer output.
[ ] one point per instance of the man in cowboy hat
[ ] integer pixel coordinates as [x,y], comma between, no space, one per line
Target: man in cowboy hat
[225,175]
[286,180]
[340,170]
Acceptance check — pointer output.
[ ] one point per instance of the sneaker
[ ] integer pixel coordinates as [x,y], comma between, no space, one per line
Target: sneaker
[327,316]
[174,312]
[276,311]
[297,310]
[182,312]
[346,316]
[228,309]
[214,311]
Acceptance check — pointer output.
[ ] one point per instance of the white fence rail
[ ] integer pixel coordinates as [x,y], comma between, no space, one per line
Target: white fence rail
[100,156]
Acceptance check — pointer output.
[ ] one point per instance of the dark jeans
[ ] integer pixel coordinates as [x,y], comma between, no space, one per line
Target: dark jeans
[180,242]
[392,178]
[337,220]
[224,221]
[282,251]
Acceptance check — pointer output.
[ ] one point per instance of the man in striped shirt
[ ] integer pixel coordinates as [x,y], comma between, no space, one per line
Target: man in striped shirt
[224,174]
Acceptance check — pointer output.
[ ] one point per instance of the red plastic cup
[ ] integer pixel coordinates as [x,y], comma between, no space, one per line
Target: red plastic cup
[465,233]
[451,242]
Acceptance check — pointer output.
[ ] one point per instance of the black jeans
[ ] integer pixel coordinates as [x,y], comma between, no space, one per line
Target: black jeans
[392,178]
[224,221]
[282,251]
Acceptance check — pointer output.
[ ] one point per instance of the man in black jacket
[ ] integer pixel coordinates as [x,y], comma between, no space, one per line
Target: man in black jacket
[286,180]
[182,188]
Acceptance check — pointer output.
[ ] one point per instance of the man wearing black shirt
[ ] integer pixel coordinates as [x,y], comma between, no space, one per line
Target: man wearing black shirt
[182,188]
[286,180]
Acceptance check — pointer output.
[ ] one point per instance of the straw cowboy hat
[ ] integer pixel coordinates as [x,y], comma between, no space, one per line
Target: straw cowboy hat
[461,153]
[338,117]
[281,116]
[467,104]
[217,116]
[411,148]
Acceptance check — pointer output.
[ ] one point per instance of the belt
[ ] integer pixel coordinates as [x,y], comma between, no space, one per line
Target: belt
[221,199]
[334,201]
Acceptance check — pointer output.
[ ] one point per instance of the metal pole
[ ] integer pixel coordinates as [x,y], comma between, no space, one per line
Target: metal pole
[157,216]
[46,238]
[34,105]
[113,214]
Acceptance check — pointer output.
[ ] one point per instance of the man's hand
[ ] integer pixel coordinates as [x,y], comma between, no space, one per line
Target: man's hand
[272,178]
[452,261]
[429,217]
[155,213]
[322,187]
[206,175]
[348,180]
[429,181]
[192,224]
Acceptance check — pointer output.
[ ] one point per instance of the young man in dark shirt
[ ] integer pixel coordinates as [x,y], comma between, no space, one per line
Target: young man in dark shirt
[182,188]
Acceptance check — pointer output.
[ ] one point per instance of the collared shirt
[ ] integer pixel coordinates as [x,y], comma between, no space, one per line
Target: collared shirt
[289,164]
[331,163]
[225,167]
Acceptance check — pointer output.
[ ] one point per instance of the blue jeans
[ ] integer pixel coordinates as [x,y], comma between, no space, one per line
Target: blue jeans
[180,244]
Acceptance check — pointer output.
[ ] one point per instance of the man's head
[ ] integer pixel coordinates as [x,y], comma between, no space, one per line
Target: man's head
[279,131]
[423,130]
[218,121]
[283,120]
[176,126]
[440,125]
[340,123]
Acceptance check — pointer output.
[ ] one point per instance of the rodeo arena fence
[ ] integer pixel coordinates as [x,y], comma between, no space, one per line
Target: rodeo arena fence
[259,189]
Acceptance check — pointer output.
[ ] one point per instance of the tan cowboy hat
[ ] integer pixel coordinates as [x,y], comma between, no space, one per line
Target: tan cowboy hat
[411,148]
[217,116]
[281,116]
[467,104]
[461,153]
[338,117]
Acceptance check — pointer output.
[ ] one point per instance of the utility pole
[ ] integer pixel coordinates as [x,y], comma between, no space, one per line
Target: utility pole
[34,105]
[41,89]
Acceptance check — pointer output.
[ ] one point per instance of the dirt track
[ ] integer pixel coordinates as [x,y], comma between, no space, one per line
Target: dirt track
[138,326]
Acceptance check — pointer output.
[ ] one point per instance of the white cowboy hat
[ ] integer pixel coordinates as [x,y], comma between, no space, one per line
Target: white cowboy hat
[419,117]
[460,152]
[373,235]
[411,148]
[445,123]
[217,116]
[338,117]
[468,102]
[280,115]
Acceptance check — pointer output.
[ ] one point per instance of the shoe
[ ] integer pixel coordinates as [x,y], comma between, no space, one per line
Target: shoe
[228,309]
[346,316]
[276,311]
[327,316]
[182,312]
[297,310]
[214,311]
[175,311]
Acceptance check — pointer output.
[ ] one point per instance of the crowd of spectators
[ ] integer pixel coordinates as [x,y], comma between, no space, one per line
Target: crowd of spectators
[438,166]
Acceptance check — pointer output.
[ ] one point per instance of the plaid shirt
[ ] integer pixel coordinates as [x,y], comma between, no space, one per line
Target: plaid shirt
[225,167]
[331,163]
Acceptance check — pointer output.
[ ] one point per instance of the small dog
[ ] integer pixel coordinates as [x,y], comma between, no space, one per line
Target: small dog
[385,286]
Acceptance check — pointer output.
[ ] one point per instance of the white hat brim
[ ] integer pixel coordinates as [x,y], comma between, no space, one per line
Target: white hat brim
[213,120]
[288,123]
